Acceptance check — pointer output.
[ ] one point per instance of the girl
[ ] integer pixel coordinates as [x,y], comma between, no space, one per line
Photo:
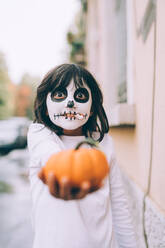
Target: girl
[68,108]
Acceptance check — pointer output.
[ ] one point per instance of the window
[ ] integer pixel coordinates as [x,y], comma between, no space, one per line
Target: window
[121,50]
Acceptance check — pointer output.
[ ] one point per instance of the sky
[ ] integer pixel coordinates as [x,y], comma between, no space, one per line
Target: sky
[33,34]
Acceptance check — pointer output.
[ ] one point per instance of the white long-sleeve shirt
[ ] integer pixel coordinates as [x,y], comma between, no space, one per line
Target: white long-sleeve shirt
[99,220]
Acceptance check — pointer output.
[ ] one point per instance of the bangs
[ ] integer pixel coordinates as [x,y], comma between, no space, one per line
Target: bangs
[63,79]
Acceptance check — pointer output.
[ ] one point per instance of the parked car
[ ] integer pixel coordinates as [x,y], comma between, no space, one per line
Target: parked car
[13,134]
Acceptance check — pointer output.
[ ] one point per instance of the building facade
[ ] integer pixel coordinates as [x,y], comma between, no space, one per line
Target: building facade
[125,51]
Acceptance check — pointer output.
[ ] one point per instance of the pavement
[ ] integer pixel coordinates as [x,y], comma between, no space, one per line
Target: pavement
[15,201]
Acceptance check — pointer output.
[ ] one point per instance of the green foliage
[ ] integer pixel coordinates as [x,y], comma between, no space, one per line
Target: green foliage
[32,83]
[5,110]
[76,38]
[5,187]
[8,98]
[84,5]
[122,93]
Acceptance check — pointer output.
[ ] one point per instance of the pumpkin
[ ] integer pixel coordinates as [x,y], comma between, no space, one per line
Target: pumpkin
[78,165]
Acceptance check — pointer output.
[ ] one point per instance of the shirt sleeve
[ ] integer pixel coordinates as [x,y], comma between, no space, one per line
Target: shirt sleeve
[42,143]
[122,220]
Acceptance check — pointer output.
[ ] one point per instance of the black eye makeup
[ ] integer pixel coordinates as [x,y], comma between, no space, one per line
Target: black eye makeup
[59,95]
[81,95]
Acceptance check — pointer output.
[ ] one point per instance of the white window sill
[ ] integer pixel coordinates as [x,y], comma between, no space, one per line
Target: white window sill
[122,115]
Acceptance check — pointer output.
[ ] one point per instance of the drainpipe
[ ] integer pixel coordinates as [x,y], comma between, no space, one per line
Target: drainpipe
[152,136]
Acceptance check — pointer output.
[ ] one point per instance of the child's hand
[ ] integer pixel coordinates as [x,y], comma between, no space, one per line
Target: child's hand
[64,190]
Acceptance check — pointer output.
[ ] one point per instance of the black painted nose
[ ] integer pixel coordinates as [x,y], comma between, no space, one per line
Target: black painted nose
[70,104]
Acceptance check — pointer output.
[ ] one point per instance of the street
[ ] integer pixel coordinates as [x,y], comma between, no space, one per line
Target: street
[15,202]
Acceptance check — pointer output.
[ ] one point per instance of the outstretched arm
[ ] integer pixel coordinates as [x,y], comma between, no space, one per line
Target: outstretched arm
[42,143]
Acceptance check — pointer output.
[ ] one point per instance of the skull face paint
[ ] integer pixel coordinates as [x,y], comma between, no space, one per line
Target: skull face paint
[69,108]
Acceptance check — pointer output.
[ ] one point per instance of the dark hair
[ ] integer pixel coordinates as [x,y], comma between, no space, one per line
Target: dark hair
[61,76]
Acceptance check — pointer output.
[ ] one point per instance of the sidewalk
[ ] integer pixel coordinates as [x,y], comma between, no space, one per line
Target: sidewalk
[15,228]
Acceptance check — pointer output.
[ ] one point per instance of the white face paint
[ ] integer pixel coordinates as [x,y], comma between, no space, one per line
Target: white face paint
[69,108]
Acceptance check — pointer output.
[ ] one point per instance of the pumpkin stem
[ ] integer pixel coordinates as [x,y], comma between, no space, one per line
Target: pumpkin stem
[88,141]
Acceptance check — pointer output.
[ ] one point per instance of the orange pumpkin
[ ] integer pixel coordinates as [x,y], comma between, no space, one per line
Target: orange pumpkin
[78,165]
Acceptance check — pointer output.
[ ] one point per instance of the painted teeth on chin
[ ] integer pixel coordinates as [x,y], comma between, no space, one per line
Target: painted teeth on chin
[80,116]
[57,116]
[71,115]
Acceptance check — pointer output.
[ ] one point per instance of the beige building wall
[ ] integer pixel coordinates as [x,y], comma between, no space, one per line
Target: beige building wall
[137,165]
[104,67]
[158,151]
[140,149]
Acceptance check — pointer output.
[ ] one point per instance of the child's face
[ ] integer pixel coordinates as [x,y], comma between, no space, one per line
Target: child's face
[69,108]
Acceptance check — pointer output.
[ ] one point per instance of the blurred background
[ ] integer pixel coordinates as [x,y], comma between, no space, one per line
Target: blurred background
[122,43]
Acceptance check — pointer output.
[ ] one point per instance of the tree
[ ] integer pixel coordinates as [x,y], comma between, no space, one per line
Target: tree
[76,36]
[25,95]
[6,108]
